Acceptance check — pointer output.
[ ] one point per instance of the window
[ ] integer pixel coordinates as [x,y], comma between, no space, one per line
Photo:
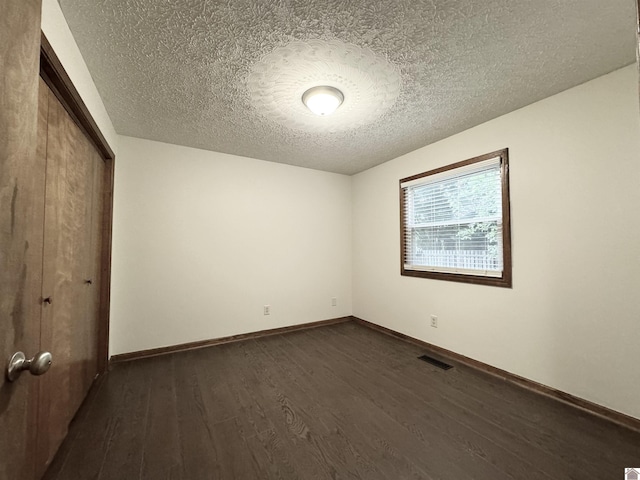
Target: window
[455,222]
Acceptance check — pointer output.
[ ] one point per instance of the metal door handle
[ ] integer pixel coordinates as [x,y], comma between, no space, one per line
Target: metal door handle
[18,363]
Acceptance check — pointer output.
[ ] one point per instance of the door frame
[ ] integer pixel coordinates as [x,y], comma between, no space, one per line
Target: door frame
[56,77]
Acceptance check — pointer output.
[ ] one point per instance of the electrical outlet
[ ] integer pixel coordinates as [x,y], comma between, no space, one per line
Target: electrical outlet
[267,309]
[434,321]
[334,302]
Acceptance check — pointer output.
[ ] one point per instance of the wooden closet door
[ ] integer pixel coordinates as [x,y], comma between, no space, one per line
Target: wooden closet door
[70,283]
[94,267]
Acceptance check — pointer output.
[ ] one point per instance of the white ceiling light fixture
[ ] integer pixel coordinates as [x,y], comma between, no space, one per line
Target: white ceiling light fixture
[323,100]
[280,83]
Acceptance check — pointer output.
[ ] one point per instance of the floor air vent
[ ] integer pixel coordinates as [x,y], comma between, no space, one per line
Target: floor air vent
[436,362]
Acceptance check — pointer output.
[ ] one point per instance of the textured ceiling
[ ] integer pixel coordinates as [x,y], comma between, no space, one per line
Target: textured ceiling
[227,75]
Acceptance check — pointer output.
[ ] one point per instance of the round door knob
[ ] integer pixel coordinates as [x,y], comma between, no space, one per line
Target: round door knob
[37,365]
[40,363]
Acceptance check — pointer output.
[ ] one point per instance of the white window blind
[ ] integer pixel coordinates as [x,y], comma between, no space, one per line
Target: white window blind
[453,221]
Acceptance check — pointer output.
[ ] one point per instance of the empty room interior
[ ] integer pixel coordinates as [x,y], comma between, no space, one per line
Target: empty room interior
[324,239]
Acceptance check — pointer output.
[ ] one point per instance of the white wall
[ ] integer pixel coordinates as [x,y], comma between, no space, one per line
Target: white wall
[57,32]
[572,319]
[203,240]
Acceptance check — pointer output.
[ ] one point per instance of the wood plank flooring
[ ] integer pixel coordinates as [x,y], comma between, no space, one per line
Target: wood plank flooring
[335,402]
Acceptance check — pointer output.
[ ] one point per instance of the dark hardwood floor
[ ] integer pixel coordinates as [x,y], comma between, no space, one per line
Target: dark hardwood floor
[335,402]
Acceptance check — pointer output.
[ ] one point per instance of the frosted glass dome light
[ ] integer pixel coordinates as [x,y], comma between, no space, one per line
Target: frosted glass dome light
[323,100]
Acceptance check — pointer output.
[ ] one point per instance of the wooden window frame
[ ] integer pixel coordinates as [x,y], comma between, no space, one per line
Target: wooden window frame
[506,279]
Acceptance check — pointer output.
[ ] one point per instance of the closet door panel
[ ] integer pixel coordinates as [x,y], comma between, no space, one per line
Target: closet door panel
[94,270]
[68,330]
[43,414]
